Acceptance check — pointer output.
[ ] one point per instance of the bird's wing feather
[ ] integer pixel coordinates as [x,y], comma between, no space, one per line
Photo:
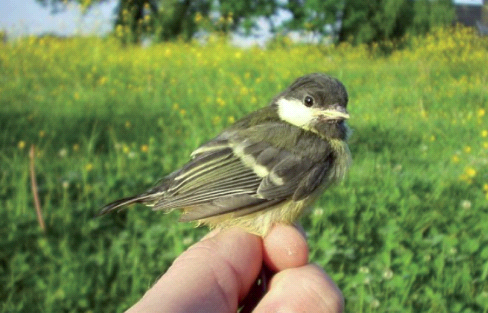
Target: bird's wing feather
[235,173]
[312,180]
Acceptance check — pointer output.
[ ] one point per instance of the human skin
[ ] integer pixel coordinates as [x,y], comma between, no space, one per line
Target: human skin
[217,272]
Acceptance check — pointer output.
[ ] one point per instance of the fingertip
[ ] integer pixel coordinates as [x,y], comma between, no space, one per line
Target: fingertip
[285,247]
[304,289]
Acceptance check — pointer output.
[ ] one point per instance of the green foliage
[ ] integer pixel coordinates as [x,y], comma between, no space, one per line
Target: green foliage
[314,15]
[385,20]
[360,21]
[406,231]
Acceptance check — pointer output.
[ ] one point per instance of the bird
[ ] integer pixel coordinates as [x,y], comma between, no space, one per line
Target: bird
[267,167]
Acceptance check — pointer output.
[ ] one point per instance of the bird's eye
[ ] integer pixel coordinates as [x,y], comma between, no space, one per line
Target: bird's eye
[308,101]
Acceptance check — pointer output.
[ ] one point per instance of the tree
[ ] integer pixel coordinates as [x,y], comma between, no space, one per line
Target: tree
[134,18]
[318,16]
[168,19]
[380,20]
[357,21]
[244,13]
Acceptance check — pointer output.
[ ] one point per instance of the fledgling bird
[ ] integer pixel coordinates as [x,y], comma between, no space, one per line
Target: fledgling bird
[267,167]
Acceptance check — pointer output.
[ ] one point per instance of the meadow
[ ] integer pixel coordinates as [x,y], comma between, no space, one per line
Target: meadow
[407,231]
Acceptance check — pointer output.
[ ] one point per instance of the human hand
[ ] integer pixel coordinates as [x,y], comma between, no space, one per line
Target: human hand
[217,272]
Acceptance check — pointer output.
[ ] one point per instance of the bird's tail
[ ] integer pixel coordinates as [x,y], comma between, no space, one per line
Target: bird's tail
[149,198]
[144,198]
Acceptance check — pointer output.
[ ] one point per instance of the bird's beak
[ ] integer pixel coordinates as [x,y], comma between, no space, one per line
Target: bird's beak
[335,112]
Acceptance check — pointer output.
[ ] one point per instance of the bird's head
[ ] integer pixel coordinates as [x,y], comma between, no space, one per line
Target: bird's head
[317,103]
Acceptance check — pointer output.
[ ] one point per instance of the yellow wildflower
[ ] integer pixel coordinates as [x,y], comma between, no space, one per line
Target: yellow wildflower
[125,148]
[467,149]
[485,187]
[455,158]
[102,80]
[198,17]
[119,30]
[216,120]
[484,133]
[89,167]
[21,144]
[220,102]
[470,172]
[244,90]
[481,112]
[145,148]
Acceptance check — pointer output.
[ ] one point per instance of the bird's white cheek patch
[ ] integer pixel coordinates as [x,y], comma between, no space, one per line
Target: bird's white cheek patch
[295,112]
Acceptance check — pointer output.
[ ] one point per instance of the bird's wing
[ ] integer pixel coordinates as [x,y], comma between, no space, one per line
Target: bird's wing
[236,173]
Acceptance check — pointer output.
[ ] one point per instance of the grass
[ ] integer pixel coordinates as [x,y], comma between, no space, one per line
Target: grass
[407,231]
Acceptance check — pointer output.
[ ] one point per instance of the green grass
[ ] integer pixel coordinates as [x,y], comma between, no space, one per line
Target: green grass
[407,231]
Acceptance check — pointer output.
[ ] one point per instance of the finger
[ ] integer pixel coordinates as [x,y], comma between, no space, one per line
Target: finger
[285,247]
[304,289]
[211,276]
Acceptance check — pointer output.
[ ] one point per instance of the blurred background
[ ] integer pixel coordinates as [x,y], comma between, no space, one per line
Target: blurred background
[100,99]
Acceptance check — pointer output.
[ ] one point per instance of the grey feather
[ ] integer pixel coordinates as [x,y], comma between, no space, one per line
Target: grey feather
[311,181]
[270,156]
[218,179]
[284,177]
[238,205]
